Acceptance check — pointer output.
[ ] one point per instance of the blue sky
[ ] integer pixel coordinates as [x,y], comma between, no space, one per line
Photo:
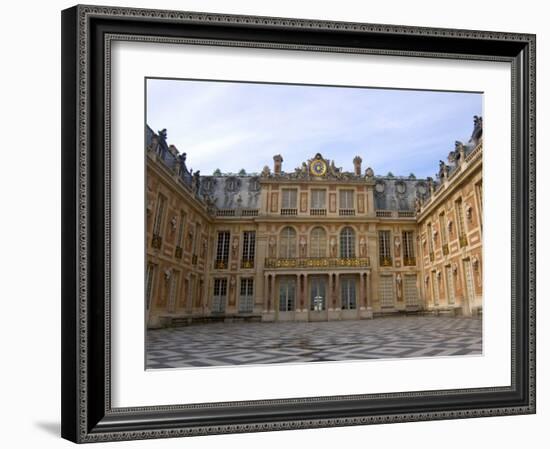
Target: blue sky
[242,125]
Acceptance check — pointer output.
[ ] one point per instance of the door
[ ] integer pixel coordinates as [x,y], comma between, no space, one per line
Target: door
[387,293]
[435,288]
[220,295]
[287,294]
[470,294]
[318,294]
[450,285]
[347,291]
[410,291]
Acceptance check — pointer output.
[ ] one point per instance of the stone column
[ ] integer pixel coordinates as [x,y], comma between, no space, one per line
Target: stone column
[271,302]
[368,295]
[266,292]
[330,295]
[362,290]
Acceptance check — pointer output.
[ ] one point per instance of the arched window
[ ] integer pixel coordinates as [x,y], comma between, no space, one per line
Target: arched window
[318,242]
[347,243]
[287,247]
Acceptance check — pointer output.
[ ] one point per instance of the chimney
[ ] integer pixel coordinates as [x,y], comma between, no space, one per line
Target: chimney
[357,165]
[277,164]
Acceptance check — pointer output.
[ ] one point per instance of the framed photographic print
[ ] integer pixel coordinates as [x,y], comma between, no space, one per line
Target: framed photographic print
[276,224]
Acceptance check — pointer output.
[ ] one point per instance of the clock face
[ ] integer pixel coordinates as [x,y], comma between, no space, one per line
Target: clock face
[318,168]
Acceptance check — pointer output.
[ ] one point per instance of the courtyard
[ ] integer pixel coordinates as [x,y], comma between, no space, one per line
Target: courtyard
[218,344]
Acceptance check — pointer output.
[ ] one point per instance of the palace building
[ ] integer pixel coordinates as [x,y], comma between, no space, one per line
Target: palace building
[314,243]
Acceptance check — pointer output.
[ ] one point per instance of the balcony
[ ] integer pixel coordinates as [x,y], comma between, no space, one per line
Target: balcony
[432,256]
[463,240]
[291,211]
[221,264]
[384,213]
[194,259]
[385,261]
[320,262]
[157,241]
[247,263]
[445,249]
[179,252]
[346,212]
[317,212]
[409,261]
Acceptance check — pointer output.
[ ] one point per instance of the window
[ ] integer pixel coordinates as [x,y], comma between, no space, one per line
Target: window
[347,290]
[384,248]
[443,228]
[479,194]
[159,217]
[197,241]
[318,246]
[181,233]
[287,294]
[246,302]
[347,243]
[460,223]
[346,199]
[157,225]
[249,246]
[222,251]
[287,247]
[318,199]
[220,295]
[408,248]
[289,199]
[430,237]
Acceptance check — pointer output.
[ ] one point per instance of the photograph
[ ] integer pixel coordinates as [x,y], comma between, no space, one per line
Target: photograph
[297,223]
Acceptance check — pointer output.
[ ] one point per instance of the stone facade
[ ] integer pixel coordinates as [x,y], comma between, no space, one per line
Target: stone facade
[312,244]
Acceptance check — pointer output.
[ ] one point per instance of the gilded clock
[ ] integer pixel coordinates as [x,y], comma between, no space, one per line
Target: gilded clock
[318,167]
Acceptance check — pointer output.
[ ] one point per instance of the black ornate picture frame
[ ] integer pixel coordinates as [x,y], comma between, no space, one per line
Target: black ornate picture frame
[87,34]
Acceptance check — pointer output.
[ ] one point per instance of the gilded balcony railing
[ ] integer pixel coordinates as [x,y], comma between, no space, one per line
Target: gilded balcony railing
[463,240]
[385,261]
[445,249]
[247,263]
[179,252]
[157,241]
[409,261]
[318,262]
[432,256]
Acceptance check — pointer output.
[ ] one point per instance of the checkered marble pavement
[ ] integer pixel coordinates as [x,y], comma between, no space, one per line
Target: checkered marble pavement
[219,344]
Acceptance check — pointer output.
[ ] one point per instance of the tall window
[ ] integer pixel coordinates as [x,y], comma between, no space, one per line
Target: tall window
[346,199]
[181,233]
[287,247]
[347,243]
[430,238]
[158,223]
[479,193]
[249,246]
[246,301]
[443,229]
[318,197]
[318,246]
[460,222]
[289,199]
[222,251]
[384,248]
[408,248]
